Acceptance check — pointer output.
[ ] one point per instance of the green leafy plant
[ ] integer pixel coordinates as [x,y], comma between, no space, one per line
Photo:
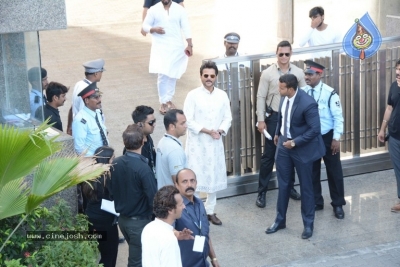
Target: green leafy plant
[27,151]
[21,251]
[67,253]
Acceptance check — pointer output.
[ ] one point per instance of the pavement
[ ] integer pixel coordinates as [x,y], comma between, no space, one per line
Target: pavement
[369,234]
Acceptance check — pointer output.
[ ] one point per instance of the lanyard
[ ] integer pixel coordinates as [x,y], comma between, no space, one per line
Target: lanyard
[198,225]
[320,92]
[172,139]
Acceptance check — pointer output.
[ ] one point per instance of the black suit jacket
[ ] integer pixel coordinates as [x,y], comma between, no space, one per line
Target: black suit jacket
[305,127]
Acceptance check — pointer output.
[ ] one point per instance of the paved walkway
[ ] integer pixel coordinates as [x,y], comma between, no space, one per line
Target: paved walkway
[369,234]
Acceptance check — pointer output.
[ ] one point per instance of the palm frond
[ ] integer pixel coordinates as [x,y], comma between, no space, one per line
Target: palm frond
[55,175]
[23,150]
[13,198]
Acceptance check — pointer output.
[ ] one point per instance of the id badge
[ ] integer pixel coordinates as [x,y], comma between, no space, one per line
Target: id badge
[198,244]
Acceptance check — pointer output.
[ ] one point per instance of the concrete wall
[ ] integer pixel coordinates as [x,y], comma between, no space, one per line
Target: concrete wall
[342,13]
[32,15]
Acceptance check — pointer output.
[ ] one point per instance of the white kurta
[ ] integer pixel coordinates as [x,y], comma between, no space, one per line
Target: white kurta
[205,155]
[168,50]
[160,247]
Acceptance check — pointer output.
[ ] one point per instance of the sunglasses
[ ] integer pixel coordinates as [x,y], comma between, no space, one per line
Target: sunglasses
[282,54]
[212,76]
[151,123]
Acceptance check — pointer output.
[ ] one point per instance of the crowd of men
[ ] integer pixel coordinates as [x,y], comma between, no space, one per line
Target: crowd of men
[155,188]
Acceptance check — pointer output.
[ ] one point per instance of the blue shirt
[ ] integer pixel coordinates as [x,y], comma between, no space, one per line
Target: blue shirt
[86,132]
[194,216]
[330,117]
[36,99]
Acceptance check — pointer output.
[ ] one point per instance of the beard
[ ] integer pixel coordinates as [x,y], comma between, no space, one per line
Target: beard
[166,3]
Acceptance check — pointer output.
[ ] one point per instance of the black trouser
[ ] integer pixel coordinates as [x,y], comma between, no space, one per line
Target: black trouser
[268,157]
[334,172]
[132,231]
[108,248]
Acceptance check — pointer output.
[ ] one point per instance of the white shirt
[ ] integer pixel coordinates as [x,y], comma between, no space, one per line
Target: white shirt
[86,132]
[227,66]
[315,37]
[283,109]
[167,50]
[160,246]
[77,102]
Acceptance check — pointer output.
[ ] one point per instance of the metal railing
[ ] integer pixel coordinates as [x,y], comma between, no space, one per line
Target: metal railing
[362,86]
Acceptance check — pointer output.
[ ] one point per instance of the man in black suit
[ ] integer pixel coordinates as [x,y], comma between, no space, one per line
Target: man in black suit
[299,144]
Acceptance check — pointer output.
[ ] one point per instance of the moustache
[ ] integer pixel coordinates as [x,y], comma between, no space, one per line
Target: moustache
[190,189]
[397,76]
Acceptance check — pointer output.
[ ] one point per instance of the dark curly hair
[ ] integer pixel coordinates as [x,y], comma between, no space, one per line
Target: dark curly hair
[164,201]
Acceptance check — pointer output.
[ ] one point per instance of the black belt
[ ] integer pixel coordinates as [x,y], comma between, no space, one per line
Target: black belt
[138,218]
[289,139]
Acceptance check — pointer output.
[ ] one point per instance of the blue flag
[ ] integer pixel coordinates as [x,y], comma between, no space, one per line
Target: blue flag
[363,39]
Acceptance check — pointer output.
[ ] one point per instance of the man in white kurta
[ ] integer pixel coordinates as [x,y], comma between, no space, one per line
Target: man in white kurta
[209,117]
[168,56]
[160,246]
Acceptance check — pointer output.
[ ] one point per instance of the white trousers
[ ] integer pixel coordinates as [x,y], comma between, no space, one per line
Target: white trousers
[166,88]
[210,203]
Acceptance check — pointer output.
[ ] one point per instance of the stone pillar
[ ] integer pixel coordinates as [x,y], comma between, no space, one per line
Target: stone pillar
[285,20]
[389,19]
[14,86]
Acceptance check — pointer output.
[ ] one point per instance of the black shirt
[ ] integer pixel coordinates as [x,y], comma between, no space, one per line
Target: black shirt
[93,209]
[394,101]
[148,152]
[52,113]
[133,185]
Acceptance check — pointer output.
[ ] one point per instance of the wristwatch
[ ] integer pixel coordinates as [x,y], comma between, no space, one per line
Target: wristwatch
[292,143]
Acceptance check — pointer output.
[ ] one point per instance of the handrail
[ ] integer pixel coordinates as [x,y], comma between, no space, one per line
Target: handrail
[296,51]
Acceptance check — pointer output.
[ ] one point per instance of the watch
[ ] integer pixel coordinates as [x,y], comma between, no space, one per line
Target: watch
[292,143]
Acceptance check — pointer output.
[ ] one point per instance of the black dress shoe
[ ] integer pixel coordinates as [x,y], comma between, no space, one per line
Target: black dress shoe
[274,228]
[319,207]
[307,233]
[339,213]
[294,195]
[261,200]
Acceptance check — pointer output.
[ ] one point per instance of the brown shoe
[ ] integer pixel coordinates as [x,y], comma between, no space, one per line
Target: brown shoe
[214,219]
[163,109]
[170,105]
[396,208]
